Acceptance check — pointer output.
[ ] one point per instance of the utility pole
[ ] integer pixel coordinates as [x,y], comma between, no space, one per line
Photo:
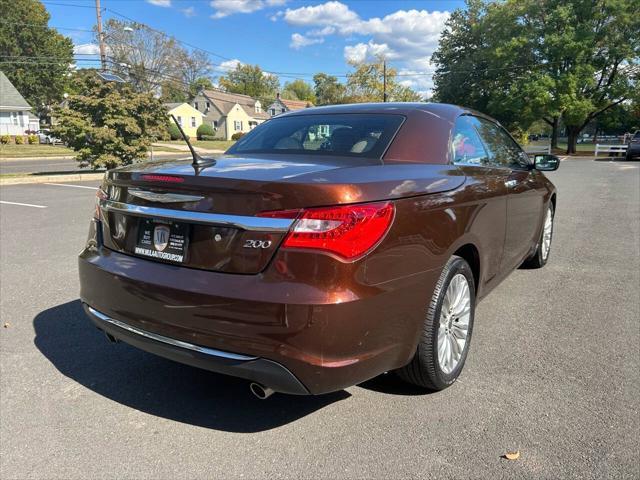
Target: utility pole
[103,56]
[384,80]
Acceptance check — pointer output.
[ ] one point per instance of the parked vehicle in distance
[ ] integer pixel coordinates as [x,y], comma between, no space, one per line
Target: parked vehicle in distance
[307,265]
[633,147]
[45,137]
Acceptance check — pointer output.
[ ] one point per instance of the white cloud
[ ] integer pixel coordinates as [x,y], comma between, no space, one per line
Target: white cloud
[86,49]
[322,32]
[188,12]
[224,8]
[160,3]
[299,41]
[403,36]
[330,13]
[363,51]
[230,65]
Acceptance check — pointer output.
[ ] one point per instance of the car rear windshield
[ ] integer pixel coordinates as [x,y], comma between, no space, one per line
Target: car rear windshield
[355,135]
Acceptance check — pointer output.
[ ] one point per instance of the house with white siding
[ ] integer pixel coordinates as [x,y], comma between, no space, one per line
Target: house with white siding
[15,113]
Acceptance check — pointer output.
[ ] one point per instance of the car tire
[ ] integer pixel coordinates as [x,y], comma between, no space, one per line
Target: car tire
[541,255]
[428,369]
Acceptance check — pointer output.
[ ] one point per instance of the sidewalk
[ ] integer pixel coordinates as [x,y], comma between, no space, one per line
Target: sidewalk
[71,157]
[185,148]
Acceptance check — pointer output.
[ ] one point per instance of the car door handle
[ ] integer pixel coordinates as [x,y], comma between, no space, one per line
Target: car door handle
[510,183]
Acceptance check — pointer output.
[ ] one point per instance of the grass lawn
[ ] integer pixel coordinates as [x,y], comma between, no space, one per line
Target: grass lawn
[36,150]
[208,144]
[22,151]
[562,146]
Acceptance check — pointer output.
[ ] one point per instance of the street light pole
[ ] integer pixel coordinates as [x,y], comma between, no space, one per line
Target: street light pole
[103,56]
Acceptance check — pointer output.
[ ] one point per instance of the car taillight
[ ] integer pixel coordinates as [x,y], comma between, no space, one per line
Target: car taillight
[348,231]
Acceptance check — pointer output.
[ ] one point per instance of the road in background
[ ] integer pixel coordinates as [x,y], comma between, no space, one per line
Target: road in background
[14,166]
[554,370]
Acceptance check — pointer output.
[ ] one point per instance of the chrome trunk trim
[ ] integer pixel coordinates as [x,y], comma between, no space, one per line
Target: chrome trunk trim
[169,341]
[262,224]
[163,197]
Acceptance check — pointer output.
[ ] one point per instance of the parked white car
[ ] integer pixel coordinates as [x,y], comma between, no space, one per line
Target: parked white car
[45,136]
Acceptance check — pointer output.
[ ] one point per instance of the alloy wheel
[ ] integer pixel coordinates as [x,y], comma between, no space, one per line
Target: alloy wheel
[454,323]
[546,234]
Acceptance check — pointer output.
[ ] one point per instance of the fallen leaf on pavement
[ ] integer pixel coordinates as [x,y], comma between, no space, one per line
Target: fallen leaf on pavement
[512,455]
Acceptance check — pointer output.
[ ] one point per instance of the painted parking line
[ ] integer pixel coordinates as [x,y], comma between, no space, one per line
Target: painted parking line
[69,185]
[22,204]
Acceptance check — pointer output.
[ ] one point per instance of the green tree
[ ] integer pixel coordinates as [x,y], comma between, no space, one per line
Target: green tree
[328,90]
[558,60]
[109,124]
[152,61]
[366,84]
[251,80]
[299,90]
[35,57]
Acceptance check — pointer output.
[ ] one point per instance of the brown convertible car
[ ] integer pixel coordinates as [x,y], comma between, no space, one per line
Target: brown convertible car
[326,247]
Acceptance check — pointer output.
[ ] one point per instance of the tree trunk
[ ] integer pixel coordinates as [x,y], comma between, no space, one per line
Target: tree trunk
[554,132]
[572,139]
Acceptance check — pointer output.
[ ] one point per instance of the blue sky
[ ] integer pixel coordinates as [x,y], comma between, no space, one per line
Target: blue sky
[293,36]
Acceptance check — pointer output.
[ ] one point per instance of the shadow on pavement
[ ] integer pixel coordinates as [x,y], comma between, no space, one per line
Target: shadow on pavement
[391,384]
[157,386]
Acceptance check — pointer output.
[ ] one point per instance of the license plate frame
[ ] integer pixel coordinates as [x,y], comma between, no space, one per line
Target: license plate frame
[162,240]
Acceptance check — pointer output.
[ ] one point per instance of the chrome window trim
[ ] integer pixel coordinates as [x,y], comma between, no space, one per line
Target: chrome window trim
[169,341]
[262,224]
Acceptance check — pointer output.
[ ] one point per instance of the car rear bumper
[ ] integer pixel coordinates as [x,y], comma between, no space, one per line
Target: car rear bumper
[255,369]
[288,334]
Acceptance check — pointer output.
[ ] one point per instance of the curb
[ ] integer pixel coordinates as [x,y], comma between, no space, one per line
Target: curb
[72,157]
[53,157]
[75,177]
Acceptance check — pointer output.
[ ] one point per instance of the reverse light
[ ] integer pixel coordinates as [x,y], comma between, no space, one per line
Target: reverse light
[348,231]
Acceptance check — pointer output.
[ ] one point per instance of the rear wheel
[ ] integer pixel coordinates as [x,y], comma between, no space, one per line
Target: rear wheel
[541,255]
[444,343]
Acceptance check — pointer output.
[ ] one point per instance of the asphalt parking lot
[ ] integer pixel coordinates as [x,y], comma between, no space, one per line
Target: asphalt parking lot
[554,369]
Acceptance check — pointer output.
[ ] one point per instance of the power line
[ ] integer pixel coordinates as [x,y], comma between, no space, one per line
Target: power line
[67,4]
[21,24]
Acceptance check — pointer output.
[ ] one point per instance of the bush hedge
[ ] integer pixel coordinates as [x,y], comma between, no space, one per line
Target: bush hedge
[237,136]
[174,132]
[19,140]
[33,139]
[209,137]
[205,130]
[4,139]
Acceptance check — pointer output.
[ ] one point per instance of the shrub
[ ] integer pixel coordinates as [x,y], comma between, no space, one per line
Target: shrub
[237,136]
[208,137]
[33,139]
[204,130]
[4,139]
[19,140]
[174,132]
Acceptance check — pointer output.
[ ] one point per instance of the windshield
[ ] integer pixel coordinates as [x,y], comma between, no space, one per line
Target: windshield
[357,135]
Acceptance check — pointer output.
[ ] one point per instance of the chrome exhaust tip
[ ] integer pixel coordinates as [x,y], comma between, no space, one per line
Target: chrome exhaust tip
[260,391]
[111,338]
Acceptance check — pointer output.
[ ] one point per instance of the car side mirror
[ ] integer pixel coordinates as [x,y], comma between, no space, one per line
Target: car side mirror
[546,162]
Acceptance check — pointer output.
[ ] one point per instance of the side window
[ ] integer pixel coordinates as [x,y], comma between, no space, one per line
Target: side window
[466,144]
[503,151]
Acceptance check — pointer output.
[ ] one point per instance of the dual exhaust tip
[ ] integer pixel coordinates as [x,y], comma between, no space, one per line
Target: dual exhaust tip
[259,390]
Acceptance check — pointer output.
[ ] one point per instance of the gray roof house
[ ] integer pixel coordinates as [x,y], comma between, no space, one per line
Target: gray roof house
[15,118]
[229,113]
